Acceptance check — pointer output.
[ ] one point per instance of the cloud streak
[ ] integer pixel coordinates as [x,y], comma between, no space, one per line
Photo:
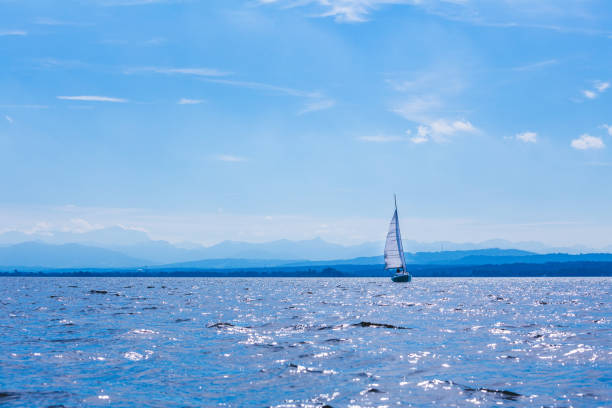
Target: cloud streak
[186,101]
[266,87]
[230,158]
[4,33]
[318,106]
[380,139]
[92,98]
[200,72]
[536,65]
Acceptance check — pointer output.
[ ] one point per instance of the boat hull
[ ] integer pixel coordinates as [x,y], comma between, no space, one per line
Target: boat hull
[401,278]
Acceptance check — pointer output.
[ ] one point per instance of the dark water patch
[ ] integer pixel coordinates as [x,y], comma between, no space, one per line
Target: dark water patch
[72,340]
[182,320]
[150,287]
[150,308]
[8,396]
[504,394]
[220,325]
[335,340]
[98,292]
[384,325]
[374,390]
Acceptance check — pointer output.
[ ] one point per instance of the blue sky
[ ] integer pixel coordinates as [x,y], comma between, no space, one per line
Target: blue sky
[258,120]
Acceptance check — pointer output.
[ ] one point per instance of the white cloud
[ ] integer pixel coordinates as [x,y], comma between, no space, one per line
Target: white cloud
[380,139]
[317,106]
[586,141]
[601,86]
[440,130]
[186,101]
[230,158]
[8,118]
[527,137]
[419,139]
[92,98]
[598,88]
[204,72]
[608,128]
[13,32]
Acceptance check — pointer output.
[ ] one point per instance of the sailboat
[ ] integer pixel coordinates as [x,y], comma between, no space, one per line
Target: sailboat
[394,251]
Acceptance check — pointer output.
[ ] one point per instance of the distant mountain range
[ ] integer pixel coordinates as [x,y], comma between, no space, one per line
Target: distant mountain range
[118,247]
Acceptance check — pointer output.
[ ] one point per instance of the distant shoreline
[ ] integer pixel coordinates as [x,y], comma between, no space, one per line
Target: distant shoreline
[551,269]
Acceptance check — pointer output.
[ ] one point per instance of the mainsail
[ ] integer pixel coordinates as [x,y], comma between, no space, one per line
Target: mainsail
[394,251]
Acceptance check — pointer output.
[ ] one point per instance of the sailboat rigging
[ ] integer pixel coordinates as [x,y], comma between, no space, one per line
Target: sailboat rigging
[394,251]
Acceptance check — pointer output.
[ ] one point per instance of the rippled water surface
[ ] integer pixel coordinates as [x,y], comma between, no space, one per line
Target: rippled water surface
[305,342]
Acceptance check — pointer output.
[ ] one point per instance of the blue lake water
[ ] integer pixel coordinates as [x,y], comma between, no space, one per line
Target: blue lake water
[187,342]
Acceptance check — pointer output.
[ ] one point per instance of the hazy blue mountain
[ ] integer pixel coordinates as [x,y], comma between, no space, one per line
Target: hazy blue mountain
[531,246]
[227,263]
[137,245]
[100,237]
[314,249]
[492,256]
[37,254]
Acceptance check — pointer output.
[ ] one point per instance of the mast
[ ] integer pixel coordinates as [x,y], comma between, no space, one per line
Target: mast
[398,236]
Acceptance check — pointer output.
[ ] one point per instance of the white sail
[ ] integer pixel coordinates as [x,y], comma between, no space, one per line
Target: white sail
[394,251]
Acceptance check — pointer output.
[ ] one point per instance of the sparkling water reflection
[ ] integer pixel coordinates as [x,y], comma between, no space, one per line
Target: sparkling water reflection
[305,342]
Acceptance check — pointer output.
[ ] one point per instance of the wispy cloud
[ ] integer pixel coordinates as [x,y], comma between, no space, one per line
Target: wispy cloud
[202,72]
[380,139]
[347,11]
[317,106]
[586,142]
[527,137]
[92,98]
[601,86]
[129,2]
[608,128]
[230,158]
[554,15]
[598,88]
[267,87]
[8,118]
[24,106]
[186,101]
[13,32]
[53,22]
[536,65]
